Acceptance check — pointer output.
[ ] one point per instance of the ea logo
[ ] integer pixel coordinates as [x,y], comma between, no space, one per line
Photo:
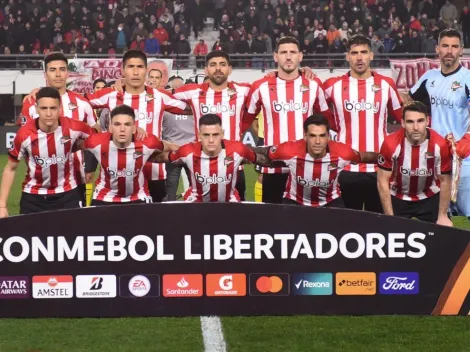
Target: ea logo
[139,286]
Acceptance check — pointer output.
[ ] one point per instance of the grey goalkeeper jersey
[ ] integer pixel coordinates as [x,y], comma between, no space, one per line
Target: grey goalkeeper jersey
[178,129]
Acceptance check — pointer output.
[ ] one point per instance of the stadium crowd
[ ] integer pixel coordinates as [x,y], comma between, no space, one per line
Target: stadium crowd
[160,27]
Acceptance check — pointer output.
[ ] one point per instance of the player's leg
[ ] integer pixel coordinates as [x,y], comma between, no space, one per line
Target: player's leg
[403,208]
[241,185]
[371,194]
[274,186]
[259,187]
[428,209]
[90,168]
[352,192]
[32,203]
[463,195]
[336,203]
[173,173]
[157,190]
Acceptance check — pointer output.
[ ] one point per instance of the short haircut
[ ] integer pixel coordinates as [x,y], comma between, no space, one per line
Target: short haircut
[155,69]
[451,33]
[123,110]
[209,120]
[172,78]
[134,54]
[99,80]
[317,120]
[358,39]
[218,53]
[416,106]
[55,57]
[48,92]
[287,40]
[109,84]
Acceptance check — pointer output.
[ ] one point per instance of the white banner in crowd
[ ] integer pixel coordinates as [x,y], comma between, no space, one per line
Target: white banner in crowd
[83,72]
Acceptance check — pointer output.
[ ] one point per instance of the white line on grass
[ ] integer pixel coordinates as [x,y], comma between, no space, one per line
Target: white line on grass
[212,334]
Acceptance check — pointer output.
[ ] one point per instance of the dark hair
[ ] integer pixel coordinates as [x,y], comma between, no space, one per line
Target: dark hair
[451,33]
[287,40]
[155,69]
[123,110]
[99,80]
[134,54]
[109,84]
[218,53]
[55,57]
[416,106]
[172,78]
[209,120]
[48,92]
[358,39]
[318,120]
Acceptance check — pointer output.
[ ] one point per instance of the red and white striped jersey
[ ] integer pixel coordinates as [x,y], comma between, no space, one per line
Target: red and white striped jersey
[121,178]
[48,156]
[415,168]
[313,182]
[213,179]
[286,105]
[149,107]
[361,108]
[228,104]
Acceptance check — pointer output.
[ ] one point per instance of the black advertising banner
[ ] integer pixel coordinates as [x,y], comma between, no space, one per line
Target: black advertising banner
[7,135]
[229,259]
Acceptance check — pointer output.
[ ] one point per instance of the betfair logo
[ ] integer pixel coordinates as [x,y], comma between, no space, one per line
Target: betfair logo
[359,284]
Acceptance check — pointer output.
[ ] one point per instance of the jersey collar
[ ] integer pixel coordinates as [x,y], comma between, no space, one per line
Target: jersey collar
[451,73]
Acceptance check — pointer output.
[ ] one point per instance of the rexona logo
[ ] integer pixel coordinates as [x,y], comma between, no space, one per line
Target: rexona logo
[12,287]
[182,285]
[415,172]
[290,106]
[59,286]
[313,183]
[212,180]
[137,286]
[360,284]
[402,283]
[217,109]
[225,285]
[269,284]
[116,173]
[357,106]
[96,286]
[312,284]
[53,160]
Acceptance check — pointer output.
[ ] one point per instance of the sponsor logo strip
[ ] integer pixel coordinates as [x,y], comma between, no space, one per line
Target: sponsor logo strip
[96,286]
[225,285]
[182,285]
[12,287]
[52,286]
[269,284]
[399,283]
[356,283]
[312,284]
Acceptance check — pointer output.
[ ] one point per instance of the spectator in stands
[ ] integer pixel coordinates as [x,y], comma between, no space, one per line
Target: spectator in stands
[320,44]
[320,30]
[182,47]
[151,45]
[161,33]
[218,45]
[448,13]
[166,49]
[140,30]
[167,16]
[138,44]
[428,45]
[389,43]
[219,6]
[121,38]
[465,20]
[200,51]
[230,46]
[415,42]
[184,26]
[258,46]
[332,34]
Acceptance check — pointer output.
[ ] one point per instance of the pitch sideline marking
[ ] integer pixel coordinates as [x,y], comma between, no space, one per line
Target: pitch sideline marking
[212,334]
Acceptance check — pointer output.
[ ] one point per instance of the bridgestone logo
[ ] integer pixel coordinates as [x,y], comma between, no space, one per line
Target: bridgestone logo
[93,293]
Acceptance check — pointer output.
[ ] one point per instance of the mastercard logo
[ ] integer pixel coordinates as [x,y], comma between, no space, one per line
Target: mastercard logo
[272,284]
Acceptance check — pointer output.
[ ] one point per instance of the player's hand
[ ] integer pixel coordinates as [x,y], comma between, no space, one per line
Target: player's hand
[3,213]
[444,221]
[140,133]
[463,146]
[308,73]
[172,147]
[119,85]
[31,97]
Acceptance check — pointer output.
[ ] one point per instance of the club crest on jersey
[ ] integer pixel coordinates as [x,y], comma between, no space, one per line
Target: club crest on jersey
[65,139]
[137,155]
[429,155]
[273,149]
[148,98]
[332,167]
[231,92]
[228,160]
[304,88]
[381,159]
[455,85]
[72,106]
[375,88]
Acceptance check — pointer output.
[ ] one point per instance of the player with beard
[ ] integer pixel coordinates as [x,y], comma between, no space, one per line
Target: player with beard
[362,100]
[287,99]
[447,91]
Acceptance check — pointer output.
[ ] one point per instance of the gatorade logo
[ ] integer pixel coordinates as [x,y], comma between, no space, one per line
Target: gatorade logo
[357,106]
[116,173]
[290,106]
[53,160]
[217,109]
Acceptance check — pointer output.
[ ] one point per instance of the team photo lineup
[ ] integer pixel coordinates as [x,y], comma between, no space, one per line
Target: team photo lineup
[321,144]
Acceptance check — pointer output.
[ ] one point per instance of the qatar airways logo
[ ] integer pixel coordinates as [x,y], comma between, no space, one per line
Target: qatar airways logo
[117,173]
[313,183]
[357,106]
[144,116]
[290,106]
[415,172]
[53,160]
[217,109]
[213,179]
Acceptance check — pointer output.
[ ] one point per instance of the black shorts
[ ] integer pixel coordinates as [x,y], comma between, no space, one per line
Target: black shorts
[335,203]
[424,209]
[157,190]
[90,162]
[359,191]
[36,203]
[100,203]
[274,186]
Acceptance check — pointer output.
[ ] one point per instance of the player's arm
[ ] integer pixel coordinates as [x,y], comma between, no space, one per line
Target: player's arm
[252,107]
[7,181]
[463,146]
[368,157]
[31,97]
[90,118]
[384,174]
[159,157]
[444,171]
[395,103]
[175,106]
[418,92]
[99,99]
